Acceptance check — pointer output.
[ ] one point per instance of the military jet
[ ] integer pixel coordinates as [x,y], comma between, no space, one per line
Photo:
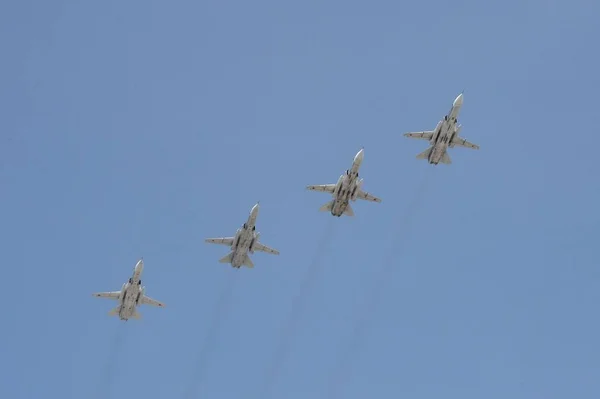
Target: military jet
[446,134]
[130,296]
[347,188]
[244,242]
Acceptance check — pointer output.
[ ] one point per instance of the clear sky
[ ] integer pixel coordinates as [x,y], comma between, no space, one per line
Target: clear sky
[140,128]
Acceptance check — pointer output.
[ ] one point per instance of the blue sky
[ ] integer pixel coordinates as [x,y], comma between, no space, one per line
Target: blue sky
[140,128]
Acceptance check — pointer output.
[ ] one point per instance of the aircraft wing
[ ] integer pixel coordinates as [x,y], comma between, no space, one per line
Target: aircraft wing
[146,300]
[110,295]
[366,196]
[426,135]
[222,241]
[263,248]
[459,141]
[324,188]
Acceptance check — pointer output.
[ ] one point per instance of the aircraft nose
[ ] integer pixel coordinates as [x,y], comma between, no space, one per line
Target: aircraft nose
[458,101]
[255,208]
[359,156]
[139,266]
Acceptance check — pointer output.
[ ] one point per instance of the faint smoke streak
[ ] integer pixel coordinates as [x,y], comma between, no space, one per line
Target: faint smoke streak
[197,378]
[287,332]
[107,380]
[397,246]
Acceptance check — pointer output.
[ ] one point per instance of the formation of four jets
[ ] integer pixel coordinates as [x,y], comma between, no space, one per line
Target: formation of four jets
[348,188]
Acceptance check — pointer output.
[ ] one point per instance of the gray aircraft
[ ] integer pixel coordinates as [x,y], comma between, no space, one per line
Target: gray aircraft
[130,296]
[446,134]
[347,188]
[244,242]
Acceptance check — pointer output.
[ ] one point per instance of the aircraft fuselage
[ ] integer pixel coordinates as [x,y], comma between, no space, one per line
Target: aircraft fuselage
[244,239]
[347,186]
[444,133]
[131,292]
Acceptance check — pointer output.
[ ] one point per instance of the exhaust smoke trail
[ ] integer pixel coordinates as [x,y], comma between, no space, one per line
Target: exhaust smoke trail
[404,225]
[106,382]
[288,329]
[197,378]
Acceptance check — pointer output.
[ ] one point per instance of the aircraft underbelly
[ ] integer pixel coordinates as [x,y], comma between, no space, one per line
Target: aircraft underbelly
[339,207]
[238,258]
[125,312]
[437,153]
[240,252]
[129,300]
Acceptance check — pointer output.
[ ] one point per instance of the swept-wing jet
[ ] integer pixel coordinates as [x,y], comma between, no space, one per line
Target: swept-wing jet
[445,134]
[130,296]
[244,243]
[347,188]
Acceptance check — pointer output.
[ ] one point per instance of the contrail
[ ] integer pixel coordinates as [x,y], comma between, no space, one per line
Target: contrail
[105,384]
[288,329]
[212,334]
[398,238]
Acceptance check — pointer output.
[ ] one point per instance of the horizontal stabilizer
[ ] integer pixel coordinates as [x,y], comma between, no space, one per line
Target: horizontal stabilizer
[248,262]
[327,207]
[136,315]
[349,211]
[425,154]
[446,159]
[114,311]
[227,258]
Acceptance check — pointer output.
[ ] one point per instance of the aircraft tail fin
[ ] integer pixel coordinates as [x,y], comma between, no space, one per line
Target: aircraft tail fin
[248,262]
[327,207]
[425,154]
[349,211]
[446,159]
[227,258]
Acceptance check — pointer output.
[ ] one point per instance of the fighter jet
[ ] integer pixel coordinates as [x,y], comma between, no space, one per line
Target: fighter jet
[130,296]
[348,187]
[245,241]
[446,134]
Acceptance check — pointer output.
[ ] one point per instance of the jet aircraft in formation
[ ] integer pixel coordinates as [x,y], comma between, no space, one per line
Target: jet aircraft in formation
[244,242]
[131,295]
[348,188]
[445,134]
